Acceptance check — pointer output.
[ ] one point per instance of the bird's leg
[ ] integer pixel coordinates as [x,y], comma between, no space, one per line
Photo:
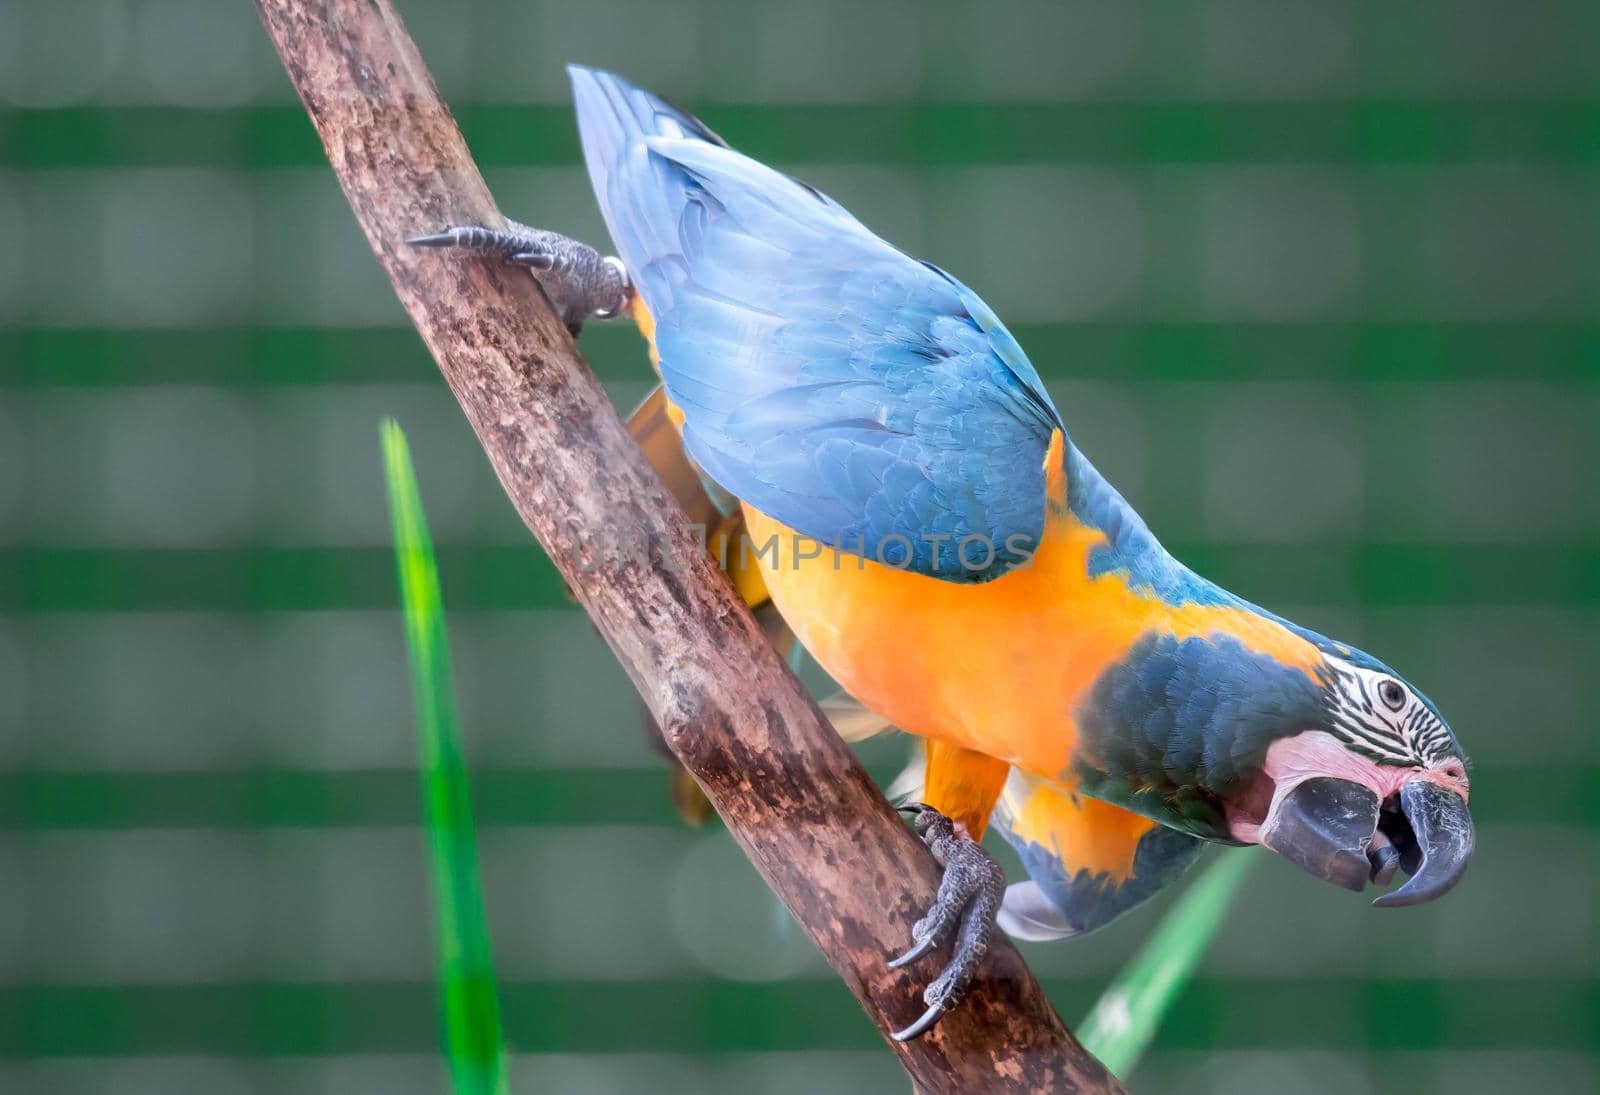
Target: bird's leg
[579,280]
[968,901]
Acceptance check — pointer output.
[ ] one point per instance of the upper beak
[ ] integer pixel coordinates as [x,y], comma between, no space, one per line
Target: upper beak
[1439,846]
[1338,830]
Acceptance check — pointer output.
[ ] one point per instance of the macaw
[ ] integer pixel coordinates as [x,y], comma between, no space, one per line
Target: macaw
[963,571]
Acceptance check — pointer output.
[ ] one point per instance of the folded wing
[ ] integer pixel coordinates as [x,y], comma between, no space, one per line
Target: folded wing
[854,393]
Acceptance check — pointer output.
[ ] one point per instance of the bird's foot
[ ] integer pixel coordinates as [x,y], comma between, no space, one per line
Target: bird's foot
[579,280]
[967,903]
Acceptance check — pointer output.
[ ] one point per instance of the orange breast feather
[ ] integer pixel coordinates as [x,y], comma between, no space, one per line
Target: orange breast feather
[997,668]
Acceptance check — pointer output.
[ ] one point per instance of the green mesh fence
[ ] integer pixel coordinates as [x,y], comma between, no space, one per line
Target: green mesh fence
[1312,282]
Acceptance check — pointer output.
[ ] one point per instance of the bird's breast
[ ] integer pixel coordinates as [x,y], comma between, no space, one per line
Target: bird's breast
[1003,667]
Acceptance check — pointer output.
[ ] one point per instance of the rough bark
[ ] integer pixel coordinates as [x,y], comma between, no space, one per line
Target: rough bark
[789,790]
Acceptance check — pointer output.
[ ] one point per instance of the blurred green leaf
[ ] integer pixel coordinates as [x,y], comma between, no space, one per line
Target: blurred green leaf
[473,1041]
[1124,1019]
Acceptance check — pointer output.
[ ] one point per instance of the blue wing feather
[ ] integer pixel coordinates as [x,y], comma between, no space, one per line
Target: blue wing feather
[852,392]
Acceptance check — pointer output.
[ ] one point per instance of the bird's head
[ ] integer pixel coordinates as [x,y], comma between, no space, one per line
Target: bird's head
[1376,782]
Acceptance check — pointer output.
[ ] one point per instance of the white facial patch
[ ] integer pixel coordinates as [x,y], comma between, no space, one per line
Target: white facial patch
[1379,716]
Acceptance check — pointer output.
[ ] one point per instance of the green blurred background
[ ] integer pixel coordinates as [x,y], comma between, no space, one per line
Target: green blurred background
[1311,281]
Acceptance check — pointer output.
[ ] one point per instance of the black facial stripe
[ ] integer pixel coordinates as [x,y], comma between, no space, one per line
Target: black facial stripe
[1355,730]
[1381,758]
[1361,750]
[1432,736]
[1413,736]
[1437,747]
[1360,718]
[1381,740]
[1370,743]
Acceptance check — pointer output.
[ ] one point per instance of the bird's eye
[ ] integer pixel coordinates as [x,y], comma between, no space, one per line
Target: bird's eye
[1393,694]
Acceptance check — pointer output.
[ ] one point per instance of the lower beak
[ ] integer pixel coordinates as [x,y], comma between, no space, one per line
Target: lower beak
[1324,826]
[1338,830]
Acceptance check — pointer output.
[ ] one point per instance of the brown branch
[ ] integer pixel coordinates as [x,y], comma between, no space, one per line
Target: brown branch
[789,790]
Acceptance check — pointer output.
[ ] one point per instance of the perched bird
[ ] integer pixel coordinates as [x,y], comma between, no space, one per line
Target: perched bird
[923,522]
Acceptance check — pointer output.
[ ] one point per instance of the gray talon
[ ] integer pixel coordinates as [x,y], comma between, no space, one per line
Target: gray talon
[967,903]
[436,239]
[578,279]
[916,952]
[468,237]
[923,1024]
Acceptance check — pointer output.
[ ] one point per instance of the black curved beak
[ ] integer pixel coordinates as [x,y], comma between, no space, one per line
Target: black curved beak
[1324,826]
[1339,831]
[1439,846]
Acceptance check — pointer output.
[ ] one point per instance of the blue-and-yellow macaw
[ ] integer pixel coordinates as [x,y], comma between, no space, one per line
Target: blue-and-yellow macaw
[963,571]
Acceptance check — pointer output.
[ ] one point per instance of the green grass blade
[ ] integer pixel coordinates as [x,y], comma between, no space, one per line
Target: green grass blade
[1124,1019]
[473,1042]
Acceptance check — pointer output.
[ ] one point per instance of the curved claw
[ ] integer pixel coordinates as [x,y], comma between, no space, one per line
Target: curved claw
[446,238]
[472,237]
[922,1025]
[916,952]
[1443,828]
[966,905]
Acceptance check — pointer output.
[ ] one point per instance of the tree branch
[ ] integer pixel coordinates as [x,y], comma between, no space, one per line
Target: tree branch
[788,788]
